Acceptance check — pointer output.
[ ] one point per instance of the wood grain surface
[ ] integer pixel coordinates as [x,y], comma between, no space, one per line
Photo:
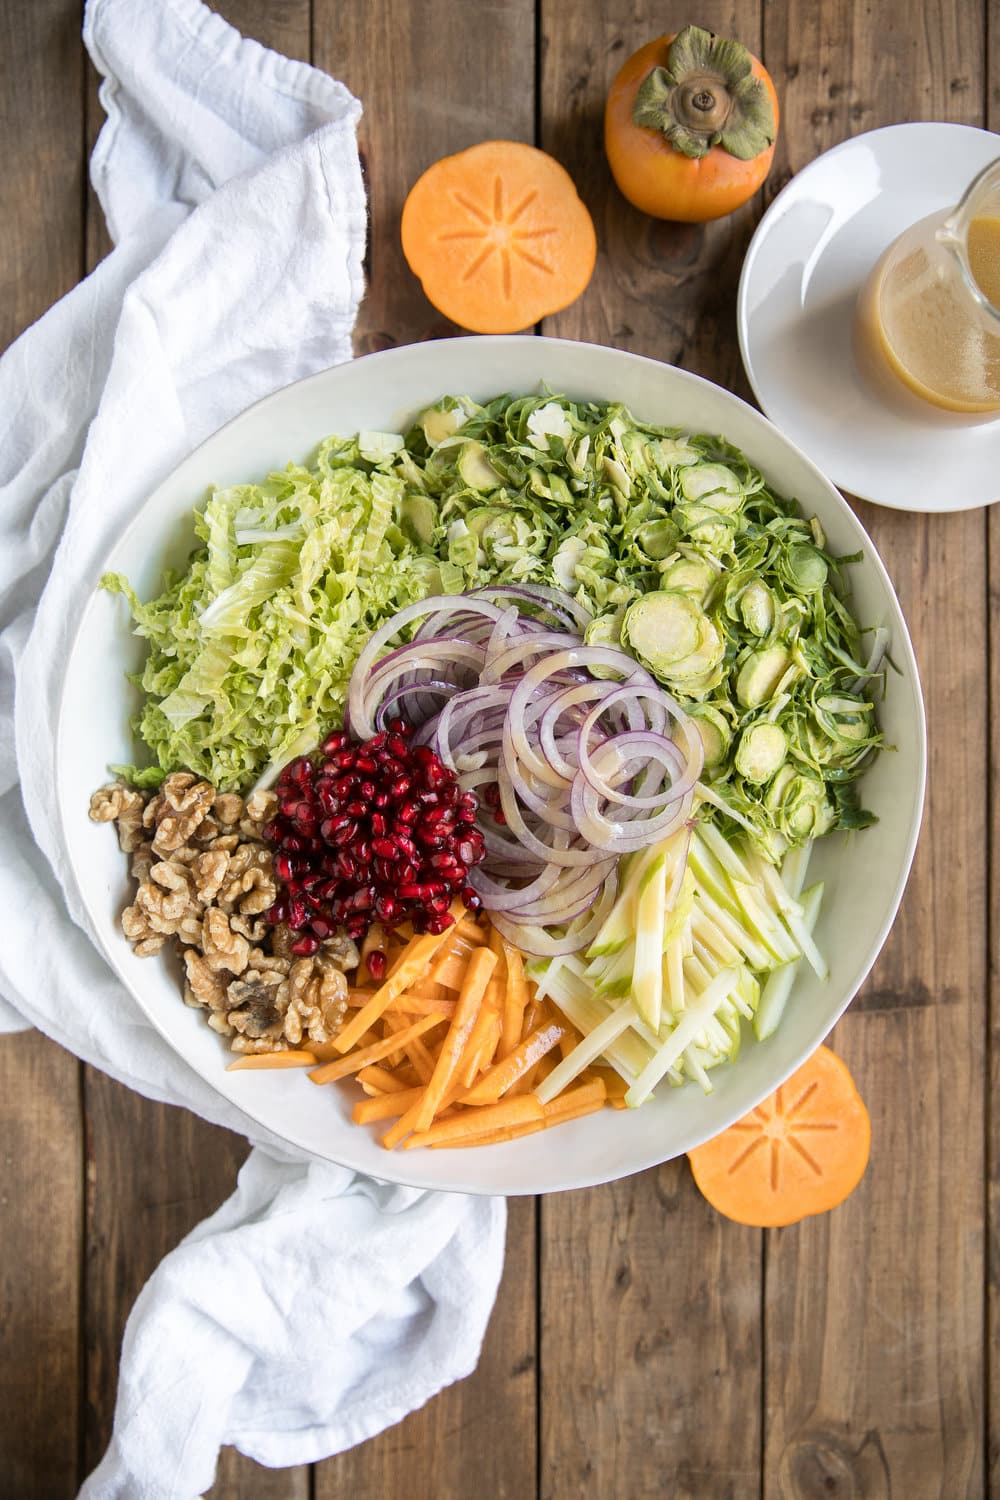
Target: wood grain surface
[641,1346]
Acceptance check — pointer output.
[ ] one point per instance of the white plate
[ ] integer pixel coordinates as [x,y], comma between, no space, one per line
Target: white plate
[806,263]
[865,876]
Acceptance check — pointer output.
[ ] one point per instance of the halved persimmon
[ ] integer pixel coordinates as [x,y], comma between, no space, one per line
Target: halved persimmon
[801,1152]
[498,237]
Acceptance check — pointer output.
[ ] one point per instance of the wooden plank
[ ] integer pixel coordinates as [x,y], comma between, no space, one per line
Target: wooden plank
[41,1205]
[476,1437]
[41,1156]
[992,122]
[874,1335]
[433,80]
[154,1172]
[650,1347]
[432,83]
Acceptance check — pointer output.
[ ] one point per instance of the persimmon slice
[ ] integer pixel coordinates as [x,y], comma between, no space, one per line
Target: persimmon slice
[801,1152]
[498,237]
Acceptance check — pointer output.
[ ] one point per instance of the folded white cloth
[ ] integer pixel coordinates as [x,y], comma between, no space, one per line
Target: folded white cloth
[315,1307]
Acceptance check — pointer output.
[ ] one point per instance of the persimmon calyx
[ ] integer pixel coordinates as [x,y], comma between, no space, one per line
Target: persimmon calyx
[707,96]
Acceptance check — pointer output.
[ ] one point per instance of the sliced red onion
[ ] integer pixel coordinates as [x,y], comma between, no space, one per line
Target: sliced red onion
[589,757]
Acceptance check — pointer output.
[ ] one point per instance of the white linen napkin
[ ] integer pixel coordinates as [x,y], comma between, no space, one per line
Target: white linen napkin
[231,183]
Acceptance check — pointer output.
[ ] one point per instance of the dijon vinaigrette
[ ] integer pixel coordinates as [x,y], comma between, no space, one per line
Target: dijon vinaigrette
[917,319]
[983,249]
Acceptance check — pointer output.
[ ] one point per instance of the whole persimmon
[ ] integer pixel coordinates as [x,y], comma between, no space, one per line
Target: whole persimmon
[690,125]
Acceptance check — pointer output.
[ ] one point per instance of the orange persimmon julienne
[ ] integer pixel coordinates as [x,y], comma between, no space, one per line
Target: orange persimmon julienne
[801,1152]
[690,125]
[498,237]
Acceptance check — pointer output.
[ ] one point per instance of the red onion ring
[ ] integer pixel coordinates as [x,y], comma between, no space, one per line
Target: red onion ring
[586,768]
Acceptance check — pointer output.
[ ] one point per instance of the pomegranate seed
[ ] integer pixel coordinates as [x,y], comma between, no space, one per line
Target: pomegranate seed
[415,891]
[491,796]
[328,799]
[499,817]
[345,834]
[380,829]
[376,964]
[276,913]
[305,946]
[472,898]
[330,827]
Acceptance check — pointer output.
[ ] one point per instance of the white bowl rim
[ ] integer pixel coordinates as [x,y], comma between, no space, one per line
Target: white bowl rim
[396,1163]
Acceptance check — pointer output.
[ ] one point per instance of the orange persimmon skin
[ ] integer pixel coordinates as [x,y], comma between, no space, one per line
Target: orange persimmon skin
[661,181]
[498,236]
[800,1152]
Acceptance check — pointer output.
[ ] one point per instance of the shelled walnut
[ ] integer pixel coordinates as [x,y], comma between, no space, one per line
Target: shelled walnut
[205,878]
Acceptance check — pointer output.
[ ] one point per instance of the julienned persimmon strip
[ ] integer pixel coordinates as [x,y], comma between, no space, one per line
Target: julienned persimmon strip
[515,1000]
[494,1084]
[330,1072]
[385,1106]
[471,1123]
[582,1100]
[417,958]
[478,1045]
[382,1080]
[477,976]
[260,1061]
[408,1003]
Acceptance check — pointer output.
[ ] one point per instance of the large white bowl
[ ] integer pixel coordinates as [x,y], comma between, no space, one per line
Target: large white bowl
[864,874]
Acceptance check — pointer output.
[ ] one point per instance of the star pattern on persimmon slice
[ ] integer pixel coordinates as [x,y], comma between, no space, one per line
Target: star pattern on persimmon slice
[496,229]
[780,1131]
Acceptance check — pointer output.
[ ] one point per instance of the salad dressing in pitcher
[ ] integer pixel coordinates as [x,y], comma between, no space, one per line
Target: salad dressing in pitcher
[929,313]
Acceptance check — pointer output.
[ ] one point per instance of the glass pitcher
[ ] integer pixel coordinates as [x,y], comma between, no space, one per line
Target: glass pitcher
[929,313]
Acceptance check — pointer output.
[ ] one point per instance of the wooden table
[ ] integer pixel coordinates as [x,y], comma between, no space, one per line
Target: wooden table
[641,1345]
